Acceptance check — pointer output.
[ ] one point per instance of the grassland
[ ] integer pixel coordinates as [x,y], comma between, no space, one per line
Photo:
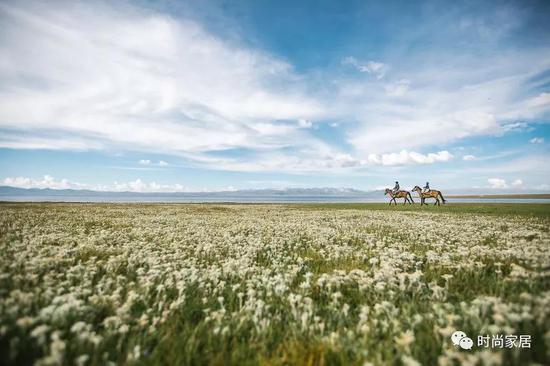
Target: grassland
[508,196]
[324,284]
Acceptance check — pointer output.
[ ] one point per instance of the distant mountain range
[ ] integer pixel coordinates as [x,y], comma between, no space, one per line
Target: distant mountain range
[7,190]
[31,194]
[245,195]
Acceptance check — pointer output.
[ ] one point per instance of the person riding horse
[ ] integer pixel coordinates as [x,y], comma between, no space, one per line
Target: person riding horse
[396,188]
[427,192]
[426,188]
[396,192]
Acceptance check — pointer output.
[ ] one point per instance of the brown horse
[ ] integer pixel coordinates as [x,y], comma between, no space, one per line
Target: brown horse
[399,194]
[432,193]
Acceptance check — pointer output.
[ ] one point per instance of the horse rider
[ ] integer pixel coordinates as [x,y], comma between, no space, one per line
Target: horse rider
[396,188]
[426,188]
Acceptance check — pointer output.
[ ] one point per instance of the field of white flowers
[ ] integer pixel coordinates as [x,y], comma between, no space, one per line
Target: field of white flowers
[97,284]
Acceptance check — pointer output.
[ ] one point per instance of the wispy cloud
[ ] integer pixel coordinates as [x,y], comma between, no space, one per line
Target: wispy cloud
[440,110]
[541,100]
[121,77]
[304,123]
[128,78]
[376,68]
[398,88]
[409,157]
[148,162]
[537,140]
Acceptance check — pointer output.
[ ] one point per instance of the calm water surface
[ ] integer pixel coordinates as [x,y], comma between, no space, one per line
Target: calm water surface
[249,199]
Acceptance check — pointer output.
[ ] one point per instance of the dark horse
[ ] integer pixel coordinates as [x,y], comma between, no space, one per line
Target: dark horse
[432,193]
[400,194]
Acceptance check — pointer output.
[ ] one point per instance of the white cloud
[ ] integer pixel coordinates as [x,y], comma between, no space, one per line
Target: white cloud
[102,76]
[316,160]
[304,123]
[497,183]
[139,186]
[376,68]
[451,99]
[502,21]
[97,75]
[148,162]
[409,157]
[419,128]
[273,129]
[46,182]
[398,88]
[517,183]
[469,157]
[515,127]
[133,186]
[537,140]
[541,100]
[534,165]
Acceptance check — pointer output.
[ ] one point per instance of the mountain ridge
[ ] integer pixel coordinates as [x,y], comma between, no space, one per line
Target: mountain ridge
[9,190]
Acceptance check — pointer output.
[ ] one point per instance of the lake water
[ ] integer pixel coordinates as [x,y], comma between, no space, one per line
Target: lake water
[247,199]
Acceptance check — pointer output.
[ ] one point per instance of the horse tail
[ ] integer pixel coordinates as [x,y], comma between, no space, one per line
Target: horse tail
[441,195]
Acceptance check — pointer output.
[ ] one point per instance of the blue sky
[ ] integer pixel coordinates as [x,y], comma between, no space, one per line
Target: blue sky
[215,95]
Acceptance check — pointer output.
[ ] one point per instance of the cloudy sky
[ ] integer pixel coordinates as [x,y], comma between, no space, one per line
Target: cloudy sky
[213,95]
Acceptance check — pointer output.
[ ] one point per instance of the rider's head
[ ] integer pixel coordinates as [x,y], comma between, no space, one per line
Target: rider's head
[396,182]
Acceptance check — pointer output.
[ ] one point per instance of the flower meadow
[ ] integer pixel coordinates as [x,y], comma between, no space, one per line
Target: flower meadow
[107,284]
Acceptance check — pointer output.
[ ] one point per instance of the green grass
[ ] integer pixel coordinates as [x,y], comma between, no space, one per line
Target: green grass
[176,261]
[527,209]
[524,209]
